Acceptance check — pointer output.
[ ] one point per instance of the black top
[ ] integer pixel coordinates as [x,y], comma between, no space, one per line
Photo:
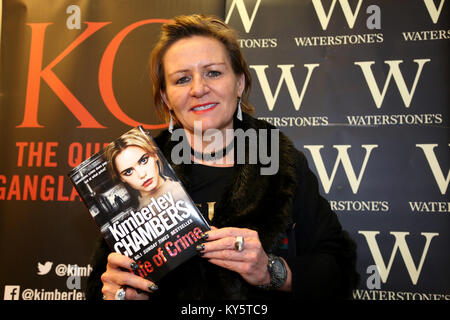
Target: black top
[286,209]
[207,186]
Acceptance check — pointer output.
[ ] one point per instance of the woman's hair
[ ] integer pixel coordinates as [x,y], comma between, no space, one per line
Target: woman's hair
[134,137]
[196,25]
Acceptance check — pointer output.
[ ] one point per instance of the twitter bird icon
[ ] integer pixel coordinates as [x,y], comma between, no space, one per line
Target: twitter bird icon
[45,268]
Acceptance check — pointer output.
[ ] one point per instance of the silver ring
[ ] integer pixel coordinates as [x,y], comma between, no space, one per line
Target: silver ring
[120,294]
[239,243]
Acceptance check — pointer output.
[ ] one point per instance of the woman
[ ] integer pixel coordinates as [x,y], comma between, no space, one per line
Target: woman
[274,236]
[133,160]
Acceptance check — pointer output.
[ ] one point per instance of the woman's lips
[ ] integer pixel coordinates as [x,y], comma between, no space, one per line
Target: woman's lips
[202,108]
[147,182]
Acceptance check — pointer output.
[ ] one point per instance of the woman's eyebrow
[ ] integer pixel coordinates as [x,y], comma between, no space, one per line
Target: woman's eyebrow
[214,64]
[141,157]
[205,66]
[178,71]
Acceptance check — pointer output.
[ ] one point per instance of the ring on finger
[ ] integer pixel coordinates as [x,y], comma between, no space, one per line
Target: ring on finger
[239,243]
[120,294]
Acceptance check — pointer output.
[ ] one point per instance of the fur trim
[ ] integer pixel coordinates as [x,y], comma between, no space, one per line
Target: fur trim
[259,202]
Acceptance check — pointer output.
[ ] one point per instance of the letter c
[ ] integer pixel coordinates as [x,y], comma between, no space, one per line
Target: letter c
[172,253]
[116,248]
[105,75]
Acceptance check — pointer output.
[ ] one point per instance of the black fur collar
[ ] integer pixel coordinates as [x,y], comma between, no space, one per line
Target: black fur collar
[259,202]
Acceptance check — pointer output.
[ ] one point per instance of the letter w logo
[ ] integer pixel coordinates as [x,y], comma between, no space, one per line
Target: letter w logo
[400,244]
[394,71]
[343,158]
[247,21]
[432,10]
[325,18]
[428,150]
[286,76]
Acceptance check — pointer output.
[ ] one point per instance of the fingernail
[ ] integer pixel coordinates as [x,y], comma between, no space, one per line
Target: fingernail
[153,287]
[205,236]
[134,266]
[200,247]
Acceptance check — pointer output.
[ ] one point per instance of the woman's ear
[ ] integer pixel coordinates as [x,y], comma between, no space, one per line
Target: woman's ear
[164,99]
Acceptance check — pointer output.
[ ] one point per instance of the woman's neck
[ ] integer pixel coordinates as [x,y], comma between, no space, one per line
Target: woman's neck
[212,147]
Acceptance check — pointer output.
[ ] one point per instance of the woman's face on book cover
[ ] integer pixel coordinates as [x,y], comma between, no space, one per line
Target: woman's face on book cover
[138,169]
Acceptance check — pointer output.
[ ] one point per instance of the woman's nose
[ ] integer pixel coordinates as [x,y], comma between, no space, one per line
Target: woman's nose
[198,86]
[141,172]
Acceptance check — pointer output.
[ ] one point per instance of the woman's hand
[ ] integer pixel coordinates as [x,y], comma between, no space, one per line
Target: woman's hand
[119,275]
[250,263]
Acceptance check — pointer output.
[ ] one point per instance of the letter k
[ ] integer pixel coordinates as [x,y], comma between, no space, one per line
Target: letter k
[36,73]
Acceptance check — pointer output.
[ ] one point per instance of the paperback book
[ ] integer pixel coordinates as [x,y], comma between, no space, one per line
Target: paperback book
[141,207]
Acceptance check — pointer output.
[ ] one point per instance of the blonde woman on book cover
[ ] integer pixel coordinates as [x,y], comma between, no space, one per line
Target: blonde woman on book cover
[273,236]
[134,160]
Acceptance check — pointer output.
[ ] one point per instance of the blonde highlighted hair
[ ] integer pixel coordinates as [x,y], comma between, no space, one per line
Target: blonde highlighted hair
[134,137]
[196,25]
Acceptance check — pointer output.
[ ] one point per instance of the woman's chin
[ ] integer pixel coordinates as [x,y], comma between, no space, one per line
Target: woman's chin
[208,124]
[151,188]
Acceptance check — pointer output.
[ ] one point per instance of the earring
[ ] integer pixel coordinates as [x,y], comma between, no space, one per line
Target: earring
[170,122]
[239,110]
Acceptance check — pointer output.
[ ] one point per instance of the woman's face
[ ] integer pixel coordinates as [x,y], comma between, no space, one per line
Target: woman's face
[138,169]
[200,83]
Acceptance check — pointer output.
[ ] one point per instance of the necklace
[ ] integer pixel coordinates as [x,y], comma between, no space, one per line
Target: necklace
[215,155]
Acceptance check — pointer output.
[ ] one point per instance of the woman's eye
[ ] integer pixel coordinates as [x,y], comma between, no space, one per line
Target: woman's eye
[127,172]
[182,80]
[213,73]
[143,160]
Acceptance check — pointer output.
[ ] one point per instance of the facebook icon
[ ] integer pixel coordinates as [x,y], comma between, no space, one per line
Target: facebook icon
[11,293]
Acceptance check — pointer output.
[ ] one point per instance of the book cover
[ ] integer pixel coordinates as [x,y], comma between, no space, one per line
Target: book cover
[140,206]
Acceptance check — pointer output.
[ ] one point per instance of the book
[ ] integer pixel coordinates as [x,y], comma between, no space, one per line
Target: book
[141,207]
